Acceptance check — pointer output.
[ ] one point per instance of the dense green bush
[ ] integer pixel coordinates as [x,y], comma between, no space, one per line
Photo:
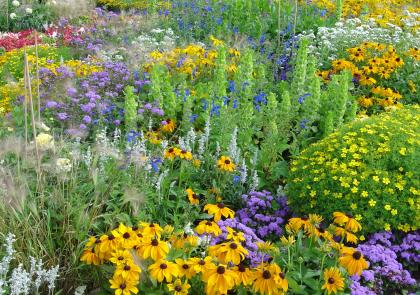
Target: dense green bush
[368,168]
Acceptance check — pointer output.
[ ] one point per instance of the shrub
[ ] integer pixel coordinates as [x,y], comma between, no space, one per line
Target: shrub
[369,168]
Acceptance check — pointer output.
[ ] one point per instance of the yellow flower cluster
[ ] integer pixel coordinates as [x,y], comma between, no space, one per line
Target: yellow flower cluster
[193,59]
[8,93]
[134,4]
[78,67]
[364,168]
[145,248]
[344,226]
[369,63]
[383,12]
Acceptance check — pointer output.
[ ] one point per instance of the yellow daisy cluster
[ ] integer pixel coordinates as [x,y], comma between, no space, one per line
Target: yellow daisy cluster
[78,67]
[367,168]
[383,12]
[134,4]
[8,93]
[193,59]
[344,226]
[143,250]
[174,152]
[370,63]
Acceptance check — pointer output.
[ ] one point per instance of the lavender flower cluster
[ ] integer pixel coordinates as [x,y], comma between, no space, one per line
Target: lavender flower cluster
[78,103]
[386,272]
[264,213]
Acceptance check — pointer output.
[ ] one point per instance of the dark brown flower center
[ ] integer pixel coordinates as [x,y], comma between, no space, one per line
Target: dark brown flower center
[227,162]
[185,266]
[122,286]
[282,275]
[208,223]
[221,270]
[139,235]
[183,152]
[233,246]
[171,150]
[178,288]
[111,237]
[98,241]
[357,255]
[349,215]
[331,281]
[305,218]
[155,242]
[163,266]
[221,205]
[266,274]
[194,196]
[126,235]
[241,268]
[151,225]
[202,262]
[127,267]
[120,258]
[135,228]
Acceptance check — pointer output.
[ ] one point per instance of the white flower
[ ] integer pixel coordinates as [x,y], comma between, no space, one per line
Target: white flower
[28,10]
[45,141]
[63,164]
[15,3]
[12,15]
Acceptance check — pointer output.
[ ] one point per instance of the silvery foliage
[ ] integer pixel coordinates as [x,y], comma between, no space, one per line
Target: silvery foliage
[20,281]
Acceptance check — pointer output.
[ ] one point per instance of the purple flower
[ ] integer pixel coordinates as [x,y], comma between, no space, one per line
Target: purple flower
[87,119]
[51,104]
[62,116]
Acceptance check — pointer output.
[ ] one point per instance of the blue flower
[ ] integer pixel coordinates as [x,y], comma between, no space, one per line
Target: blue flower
[155,164]
[301,98]
[193,117]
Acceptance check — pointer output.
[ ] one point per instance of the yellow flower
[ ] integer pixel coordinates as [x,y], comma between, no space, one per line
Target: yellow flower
[218,211]
[216,42]
[168,126]
[234,235]
[387,207]
[387,227]
[179,288]
[150,229]
[121,257]
[123,286]
[269,279]
[185,268]
[153,248]
[333,281]
[163,269]
[245,276]
[126,236]
[372,203]
[172,152]
[394,211]
[386,180]
[229,252]
[219,279]
[403,151]
[185,155]
[90,257]
[208,227]
[289,241]
[352,260]
[226,164]
[192,197]
[44,141]
[129,271]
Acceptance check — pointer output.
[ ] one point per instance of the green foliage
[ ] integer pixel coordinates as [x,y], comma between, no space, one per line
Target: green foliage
[130,109]
[368,168]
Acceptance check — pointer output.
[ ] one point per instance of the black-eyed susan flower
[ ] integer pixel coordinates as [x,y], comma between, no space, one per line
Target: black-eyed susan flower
[150,229]
[172,153]
[289,241]
[333,281]
[225,164]
[349,237]
[127,238]
[192,197]
[201,264]
[245,275]
[185,268]
[234,235]
[153,248]
[269,279]
[121,257]
[163,269]
[219,278]
[229,252]
[90,257]
[218,211]
[352,260]
[186,155]
[129,271]
[123,286]
[108,243]
[179,288]
[351,224]
[208,227]
[168,126]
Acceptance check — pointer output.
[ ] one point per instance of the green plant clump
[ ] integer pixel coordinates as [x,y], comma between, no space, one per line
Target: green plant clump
[368,168]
